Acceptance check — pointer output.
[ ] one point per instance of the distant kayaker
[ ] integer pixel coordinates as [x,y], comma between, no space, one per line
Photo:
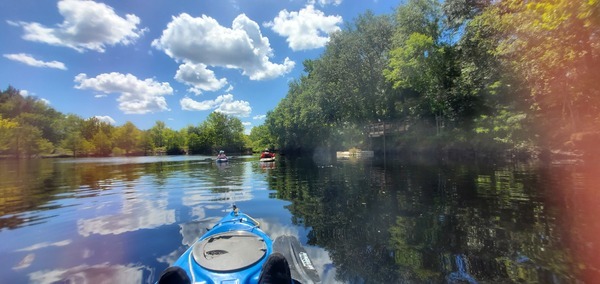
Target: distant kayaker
[221,155]
[266,154]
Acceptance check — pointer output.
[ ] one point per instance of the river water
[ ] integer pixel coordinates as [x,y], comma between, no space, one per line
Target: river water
[124,220]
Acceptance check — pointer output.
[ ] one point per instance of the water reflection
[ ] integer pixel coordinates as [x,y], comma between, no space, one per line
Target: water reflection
[45,245]
[124,219]
[461,273]
[114,206]
[576,193]
[135,214]
[102,273]
[422,223]
[267,165]
[190,232]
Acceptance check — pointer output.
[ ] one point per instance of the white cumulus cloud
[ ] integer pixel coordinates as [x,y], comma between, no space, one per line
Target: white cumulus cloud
[259,117]
[190,104]
[106,118]
[199,77]
[31,61]
[231,107]
[136,96]
[325,2]
[306,29]
[203,40]
[87,25]
[224,104]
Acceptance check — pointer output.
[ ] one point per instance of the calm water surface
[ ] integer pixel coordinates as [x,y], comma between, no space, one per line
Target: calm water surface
[124,220]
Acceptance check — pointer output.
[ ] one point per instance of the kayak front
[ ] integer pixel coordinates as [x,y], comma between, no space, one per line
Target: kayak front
[233,251]
[222,160]
[266,160]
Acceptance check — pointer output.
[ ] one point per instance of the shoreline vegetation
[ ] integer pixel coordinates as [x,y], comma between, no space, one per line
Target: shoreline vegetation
[466,80]
[446,154]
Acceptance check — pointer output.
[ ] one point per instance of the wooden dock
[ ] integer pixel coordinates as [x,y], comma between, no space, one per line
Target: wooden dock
[354,154]
[385,128]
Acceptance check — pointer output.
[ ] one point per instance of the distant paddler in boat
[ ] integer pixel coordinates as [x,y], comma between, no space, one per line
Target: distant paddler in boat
[267,156]
[222,158]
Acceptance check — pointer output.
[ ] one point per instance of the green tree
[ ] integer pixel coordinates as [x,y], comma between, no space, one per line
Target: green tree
[127,137]
[461,12]
[7,128]
[425,64]
[553,46]
[216,123]
[174,141]
[28,141]
[90,127]
[349,83]
[501,117]
[146,143]
[236,129]
[224,132]
[38,114]
[340,92]
[33,115]
[102,144]
[157,134]
[12,103]
[199,141]
[68,124]
[261,138]
[76,143]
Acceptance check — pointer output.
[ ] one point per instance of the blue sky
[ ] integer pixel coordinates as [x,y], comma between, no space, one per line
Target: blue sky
[170,60]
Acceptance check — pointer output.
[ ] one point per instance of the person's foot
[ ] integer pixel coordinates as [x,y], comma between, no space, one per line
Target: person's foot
[174,275]
[275,270]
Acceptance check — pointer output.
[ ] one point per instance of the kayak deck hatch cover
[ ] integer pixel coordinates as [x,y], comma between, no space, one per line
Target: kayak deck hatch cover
[229,251]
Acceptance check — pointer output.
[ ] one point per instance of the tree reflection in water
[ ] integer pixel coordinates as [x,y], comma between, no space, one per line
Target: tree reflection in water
[429,222]
[399,222]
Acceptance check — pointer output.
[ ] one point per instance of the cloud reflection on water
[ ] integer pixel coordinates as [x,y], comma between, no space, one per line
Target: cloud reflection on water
[136,213]
[101,273]
[46,244]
